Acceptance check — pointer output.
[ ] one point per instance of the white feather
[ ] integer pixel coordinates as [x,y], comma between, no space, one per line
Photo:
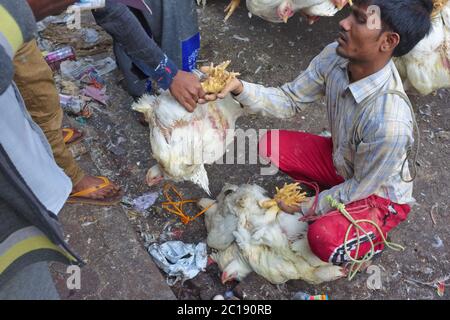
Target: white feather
[272,245]
[427,66]
[182,142]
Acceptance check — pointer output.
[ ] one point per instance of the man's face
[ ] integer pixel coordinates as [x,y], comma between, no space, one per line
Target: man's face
[357,41]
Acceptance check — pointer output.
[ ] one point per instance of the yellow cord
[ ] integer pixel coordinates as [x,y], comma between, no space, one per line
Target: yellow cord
[355,223]
[176,207]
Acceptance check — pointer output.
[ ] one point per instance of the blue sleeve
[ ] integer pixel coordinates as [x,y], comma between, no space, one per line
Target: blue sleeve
[127,31]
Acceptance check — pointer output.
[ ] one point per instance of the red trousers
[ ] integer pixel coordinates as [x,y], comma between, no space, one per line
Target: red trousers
[308,157]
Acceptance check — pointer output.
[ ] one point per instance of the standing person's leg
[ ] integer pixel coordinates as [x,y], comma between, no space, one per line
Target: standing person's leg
[35,82]
[174,26]
[301,155]
[34,79]
[134,84]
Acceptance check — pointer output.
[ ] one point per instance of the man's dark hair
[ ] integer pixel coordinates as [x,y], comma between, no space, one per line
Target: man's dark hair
[411,19]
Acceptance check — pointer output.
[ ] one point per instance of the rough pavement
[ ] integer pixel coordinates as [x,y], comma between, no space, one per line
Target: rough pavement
[269,54]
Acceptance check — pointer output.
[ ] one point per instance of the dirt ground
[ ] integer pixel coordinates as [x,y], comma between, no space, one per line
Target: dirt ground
[272,54]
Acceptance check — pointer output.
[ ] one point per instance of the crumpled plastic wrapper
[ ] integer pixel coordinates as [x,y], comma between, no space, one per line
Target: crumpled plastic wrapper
[179,260]
[145,201]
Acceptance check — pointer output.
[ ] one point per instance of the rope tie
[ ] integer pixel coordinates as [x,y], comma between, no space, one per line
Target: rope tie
[176,207]
[356,224]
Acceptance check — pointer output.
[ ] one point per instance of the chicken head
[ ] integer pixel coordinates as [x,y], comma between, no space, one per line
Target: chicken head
[285,10]
[154,176]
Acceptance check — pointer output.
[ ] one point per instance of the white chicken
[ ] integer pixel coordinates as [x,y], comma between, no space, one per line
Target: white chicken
[426,67]
[232,263]
[271,244]
[183,142]
[282,10]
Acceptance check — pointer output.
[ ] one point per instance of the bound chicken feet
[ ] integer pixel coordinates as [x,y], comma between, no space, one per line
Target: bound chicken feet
[231,8]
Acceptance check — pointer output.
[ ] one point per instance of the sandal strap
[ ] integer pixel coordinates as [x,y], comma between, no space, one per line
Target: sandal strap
[69,135]
[88,191]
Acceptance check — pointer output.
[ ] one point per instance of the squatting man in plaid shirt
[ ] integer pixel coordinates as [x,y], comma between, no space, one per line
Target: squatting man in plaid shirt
[363,165]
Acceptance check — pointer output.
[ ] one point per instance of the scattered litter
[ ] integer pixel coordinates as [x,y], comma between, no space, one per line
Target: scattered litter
[90,35]
[69,88]
[434,208]
[77,149]
[241,38]
[56,58]
[325,133]
[89,4]
[149,238]
[145,201]
[443,135]
[80,71]
[438,242]
[44,45]
[132,215]
[92,78]
[425,110]
[115,148]
[88,221]
[40,26]
[439,284]
[428,270]
[170,232]
[219,297]
[179,260]
[71,105]
[81,120]
[229,295]
[440,288]
[258,69]
[104,66]
[43,24]
[127,201]
[300,295]
[97,94]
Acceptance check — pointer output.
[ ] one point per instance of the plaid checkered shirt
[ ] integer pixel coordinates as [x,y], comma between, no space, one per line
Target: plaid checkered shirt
[371,157]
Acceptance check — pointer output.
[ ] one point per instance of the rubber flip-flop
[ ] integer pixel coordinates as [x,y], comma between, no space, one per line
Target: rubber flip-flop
[69,136]
[80,197]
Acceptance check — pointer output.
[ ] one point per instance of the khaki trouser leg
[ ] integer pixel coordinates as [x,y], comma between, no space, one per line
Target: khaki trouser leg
[34,79]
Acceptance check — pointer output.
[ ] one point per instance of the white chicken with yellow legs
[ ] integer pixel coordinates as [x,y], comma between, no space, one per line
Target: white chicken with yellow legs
[272,243]
[281,10]
[426,67]
[183,142]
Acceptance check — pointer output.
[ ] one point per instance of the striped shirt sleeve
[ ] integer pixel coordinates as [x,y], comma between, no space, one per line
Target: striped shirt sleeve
[285,101]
